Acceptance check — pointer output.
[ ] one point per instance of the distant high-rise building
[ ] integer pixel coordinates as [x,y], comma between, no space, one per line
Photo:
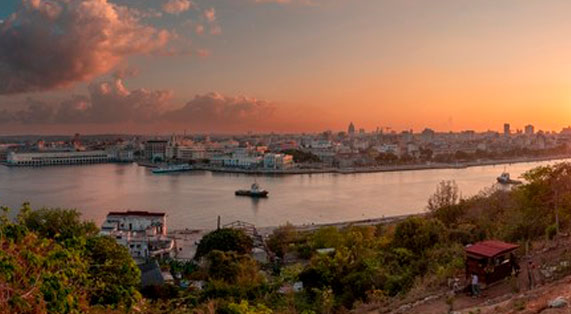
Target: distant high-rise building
[529,130]
[76,142]
[507,129]
[351,129]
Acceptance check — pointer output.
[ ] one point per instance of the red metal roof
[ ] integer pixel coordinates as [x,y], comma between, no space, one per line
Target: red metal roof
[136,213]
[490,248]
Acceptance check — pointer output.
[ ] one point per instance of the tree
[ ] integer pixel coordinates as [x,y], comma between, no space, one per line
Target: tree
[38,275]
[280,239]
[59,224]
[225,240]
[550,185]
[232,268]
[327,237]
[113,272]
[417,234]
[300,156]
[446,195]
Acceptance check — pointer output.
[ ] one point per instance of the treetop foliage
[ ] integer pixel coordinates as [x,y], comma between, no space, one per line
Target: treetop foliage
[225,240]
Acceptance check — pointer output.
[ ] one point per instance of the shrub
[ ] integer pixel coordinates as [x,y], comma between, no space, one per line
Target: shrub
[281,238]
[224,240]
[417,234]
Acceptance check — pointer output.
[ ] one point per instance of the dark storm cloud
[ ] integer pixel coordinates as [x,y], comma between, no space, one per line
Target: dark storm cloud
[48,44]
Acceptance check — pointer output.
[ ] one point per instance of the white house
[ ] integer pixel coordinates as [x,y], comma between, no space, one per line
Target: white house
[143,233]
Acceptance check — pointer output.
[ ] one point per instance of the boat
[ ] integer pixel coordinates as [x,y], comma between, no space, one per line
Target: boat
[504,178]
[172,168]
[254,191]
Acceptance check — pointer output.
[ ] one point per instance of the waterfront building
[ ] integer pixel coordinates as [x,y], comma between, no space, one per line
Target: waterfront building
[278,161]
[37,159]
[156,150]
[237,161]
[187,153]
[121,153]
[143,233]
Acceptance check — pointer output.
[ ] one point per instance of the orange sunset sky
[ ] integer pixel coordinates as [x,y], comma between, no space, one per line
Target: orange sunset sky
[94,66]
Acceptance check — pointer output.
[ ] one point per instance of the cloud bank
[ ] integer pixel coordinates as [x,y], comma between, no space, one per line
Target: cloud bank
[49,44]
[110,102]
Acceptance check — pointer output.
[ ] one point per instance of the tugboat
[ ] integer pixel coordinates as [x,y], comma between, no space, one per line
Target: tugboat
[504,178]
[254,191]
[172,168]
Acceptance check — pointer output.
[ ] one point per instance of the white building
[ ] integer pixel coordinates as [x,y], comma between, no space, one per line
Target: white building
[143,233]
[57,158]
[121,154]
[278,161]
[237,161]
[388,149]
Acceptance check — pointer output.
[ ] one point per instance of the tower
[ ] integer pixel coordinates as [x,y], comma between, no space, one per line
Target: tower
[507,129]
[351,129]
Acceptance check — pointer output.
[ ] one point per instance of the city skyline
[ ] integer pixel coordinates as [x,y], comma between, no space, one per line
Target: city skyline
[282,66]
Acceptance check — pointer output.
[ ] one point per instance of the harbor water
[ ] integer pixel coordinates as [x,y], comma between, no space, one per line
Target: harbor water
[195,199]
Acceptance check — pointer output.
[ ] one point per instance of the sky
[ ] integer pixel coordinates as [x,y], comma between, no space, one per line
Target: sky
[224,66]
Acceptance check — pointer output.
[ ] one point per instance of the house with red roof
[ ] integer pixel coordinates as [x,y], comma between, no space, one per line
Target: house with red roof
[491,260]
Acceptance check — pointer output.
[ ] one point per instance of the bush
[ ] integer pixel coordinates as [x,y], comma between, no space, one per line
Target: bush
[58,224]
[114,274]
[417,234]
[225,240]
[281,238]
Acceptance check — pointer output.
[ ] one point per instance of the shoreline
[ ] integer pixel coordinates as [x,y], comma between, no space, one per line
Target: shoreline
[429,166]
[385,220]
[266,231]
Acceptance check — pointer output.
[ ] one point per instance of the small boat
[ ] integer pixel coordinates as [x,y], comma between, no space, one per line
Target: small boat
[172,168]
[504,178]
[254,191]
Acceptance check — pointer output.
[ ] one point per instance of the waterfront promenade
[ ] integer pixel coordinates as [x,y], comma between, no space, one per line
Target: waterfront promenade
[373,169]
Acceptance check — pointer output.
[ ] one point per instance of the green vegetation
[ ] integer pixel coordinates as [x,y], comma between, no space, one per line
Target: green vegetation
[225,240]
[53,262]
[300,156]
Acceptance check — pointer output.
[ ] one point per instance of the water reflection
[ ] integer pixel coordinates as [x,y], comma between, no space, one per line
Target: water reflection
[194,199]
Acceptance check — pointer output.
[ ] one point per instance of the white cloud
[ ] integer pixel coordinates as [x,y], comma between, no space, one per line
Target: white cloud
[177,6]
